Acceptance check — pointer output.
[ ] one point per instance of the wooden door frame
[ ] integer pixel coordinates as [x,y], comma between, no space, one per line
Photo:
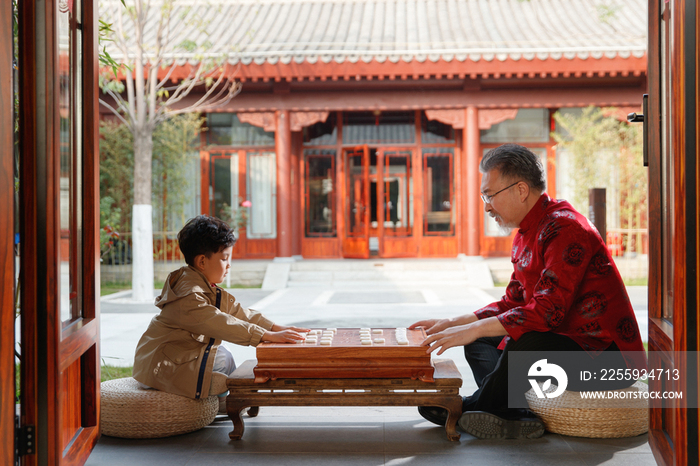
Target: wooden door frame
[674,430]
[304,193]
[48,347]
[411,178]
[7,229]
[379,175]
[207,156]
[453,192]
[344,190]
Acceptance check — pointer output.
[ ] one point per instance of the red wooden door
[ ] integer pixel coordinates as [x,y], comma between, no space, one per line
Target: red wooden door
[672,145]
[59,234]
[7,257]
[356,198]
[224,182]
[395,209]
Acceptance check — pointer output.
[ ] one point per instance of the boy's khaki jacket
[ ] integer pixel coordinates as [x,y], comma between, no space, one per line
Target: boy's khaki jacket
[176,353]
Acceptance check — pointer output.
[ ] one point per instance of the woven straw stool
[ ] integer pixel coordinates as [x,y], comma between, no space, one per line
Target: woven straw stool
[128,411]
[569,414]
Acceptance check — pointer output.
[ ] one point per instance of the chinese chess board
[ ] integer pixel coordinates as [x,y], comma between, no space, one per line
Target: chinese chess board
[347,353]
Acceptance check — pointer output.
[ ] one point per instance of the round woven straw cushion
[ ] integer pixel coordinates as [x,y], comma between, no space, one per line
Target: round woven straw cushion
[569,414]
[128,411]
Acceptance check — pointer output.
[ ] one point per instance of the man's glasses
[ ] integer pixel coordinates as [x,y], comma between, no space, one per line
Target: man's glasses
[487,199]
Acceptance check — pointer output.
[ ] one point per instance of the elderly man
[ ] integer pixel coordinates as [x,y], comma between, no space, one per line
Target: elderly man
[565,294]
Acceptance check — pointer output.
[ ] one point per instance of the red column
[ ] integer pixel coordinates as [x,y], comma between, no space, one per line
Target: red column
[297,214]
[471,148]
[283,147]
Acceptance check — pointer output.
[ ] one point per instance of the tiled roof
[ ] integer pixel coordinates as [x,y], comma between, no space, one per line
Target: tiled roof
[352,31]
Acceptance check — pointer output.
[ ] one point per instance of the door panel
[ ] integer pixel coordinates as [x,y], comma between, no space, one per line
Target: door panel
[7,248]
[356,202]
[235,176]
[59,197]
[672,144]
[221,181]
[395,203]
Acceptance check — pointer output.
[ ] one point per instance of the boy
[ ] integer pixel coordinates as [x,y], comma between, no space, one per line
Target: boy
[181,347]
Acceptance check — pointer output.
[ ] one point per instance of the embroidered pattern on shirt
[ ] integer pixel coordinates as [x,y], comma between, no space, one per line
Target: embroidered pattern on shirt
[548,233]
[626,329]
[601,265]
[525,258]
[548,283]
[591,329]
[515,290]
[514,317]
[591,304]
[555,316]
[573,254]
[489,311]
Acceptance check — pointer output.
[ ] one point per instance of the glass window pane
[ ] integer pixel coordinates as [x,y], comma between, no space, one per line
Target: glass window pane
[574,112]
[356,194]
[224,186]
[379,127]
[225,129]
[320,189]
[322,133]
[261,190]
[70,163]
[438,192]
[434,132]
[398,192]
[529,125]
[667,157]
[192,202]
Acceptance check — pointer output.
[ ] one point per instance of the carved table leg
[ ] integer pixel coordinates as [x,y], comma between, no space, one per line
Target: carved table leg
[253,411]
[234,412]
[454,410]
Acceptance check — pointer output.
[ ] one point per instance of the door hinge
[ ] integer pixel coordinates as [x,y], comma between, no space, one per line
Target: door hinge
[26,440]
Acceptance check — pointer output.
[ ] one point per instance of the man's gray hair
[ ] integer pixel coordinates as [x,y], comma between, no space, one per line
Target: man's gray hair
[516,162]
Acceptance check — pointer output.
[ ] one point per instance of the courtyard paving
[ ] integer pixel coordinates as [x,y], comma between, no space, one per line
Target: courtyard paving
[346,435]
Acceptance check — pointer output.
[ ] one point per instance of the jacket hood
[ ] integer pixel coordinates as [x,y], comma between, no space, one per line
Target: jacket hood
[181,283]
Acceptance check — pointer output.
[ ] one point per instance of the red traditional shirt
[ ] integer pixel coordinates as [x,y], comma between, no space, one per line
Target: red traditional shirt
[565,282]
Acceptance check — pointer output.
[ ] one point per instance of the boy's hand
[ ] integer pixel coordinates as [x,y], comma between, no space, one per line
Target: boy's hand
[284,336]
[279,328]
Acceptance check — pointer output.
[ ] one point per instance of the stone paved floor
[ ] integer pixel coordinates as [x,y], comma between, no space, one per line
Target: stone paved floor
[359,436]
[346,436]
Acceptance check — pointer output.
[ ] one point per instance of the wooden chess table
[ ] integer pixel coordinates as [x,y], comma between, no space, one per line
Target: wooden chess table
[347,353]
[246,392]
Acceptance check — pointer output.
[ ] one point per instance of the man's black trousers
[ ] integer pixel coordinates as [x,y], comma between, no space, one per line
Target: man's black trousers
[490,368]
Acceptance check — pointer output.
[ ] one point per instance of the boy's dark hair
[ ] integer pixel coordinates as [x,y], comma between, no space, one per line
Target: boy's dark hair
[515,162]
[204,235]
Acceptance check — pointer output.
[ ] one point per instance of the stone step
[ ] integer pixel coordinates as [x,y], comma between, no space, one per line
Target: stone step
[379,275]
[376,285]
[374,264]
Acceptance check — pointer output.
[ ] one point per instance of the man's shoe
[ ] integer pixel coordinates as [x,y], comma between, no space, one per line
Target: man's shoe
[485,425]
[434,414]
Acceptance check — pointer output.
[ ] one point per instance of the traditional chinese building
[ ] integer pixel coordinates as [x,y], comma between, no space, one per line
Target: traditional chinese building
[361,124]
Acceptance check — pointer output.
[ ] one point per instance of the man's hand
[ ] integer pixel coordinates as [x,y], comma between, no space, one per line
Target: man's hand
[461,335]
[283,336]
[279,328]
[455,336]
[432,325]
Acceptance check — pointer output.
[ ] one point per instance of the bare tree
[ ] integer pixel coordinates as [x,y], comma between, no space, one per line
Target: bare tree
[153,89]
